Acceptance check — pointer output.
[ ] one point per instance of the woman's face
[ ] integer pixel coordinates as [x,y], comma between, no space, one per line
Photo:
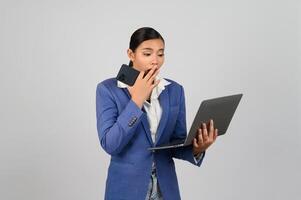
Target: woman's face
[147,55]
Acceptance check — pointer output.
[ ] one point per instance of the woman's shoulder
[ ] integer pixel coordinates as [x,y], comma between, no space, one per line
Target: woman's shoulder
[173,84]
[108,85]
[109,82]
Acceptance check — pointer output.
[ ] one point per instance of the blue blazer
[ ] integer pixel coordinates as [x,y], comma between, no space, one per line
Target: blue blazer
[124,133]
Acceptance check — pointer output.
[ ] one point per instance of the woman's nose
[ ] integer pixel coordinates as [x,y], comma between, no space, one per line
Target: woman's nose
[155,61]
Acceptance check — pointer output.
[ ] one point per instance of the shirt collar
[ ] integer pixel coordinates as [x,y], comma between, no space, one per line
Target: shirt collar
[156,91]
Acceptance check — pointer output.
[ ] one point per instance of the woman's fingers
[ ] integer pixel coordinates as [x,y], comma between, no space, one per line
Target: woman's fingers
[205,139]
[200,137]
[141,74]
[153,77]
[151,80]
[195,143]
[211,129]
[149,74]
[205,133]
[215,134]
[155,84]
[198,143]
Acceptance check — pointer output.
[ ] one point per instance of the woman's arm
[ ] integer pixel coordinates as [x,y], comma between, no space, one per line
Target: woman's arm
[115,131]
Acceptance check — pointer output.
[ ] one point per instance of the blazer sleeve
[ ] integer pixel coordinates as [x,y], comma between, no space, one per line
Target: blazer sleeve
[115,130]
[180,132]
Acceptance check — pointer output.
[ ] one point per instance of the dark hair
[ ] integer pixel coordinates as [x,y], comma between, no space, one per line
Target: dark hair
[142,34]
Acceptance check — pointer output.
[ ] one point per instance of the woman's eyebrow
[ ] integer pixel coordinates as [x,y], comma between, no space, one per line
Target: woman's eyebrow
[147,49]
[152,49]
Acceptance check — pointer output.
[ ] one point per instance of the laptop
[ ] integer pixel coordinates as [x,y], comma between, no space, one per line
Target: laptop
[220,109]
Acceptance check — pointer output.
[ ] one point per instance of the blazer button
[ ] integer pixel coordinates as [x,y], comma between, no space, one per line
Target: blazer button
[132,122]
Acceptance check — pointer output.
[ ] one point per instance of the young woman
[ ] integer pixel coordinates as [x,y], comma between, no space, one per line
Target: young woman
[130,119]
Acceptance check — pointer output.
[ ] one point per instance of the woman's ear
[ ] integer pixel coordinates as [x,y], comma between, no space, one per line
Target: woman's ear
[131,54]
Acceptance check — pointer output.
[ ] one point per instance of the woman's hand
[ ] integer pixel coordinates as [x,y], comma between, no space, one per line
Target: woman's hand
[204,139]
[143,86]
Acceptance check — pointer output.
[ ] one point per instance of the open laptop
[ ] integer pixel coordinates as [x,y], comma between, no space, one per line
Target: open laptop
[221,110]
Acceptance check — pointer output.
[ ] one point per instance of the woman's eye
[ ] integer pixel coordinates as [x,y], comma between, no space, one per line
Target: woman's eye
[147,54]
[161,55]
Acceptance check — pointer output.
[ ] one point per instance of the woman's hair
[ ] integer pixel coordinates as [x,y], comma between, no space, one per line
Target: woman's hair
[142,34]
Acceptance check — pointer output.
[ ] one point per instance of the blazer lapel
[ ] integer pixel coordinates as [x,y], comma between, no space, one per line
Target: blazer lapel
[143,119]
[164,102]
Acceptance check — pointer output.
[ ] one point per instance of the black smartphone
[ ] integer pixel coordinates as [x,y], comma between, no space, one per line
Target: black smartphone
[127,74]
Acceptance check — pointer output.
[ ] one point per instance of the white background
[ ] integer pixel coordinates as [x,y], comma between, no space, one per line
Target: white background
[53,54]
